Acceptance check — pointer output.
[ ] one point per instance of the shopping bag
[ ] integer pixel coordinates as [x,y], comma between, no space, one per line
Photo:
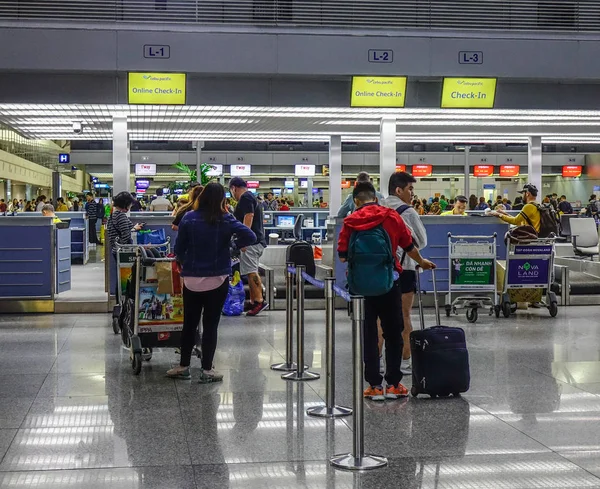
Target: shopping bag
[169,281]
[234,303]
[151,236]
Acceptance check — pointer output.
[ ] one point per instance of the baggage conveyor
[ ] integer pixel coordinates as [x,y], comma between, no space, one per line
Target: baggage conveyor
[580,278]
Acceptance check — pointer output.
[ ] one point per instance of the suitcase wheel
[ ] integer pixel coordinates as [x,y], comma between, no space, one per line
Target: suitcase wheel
[472,315]
[506,309]
[413,391]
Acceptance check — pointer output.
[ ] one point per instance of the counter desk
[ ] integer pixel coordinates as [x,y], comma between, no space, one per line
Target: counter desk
[35,263]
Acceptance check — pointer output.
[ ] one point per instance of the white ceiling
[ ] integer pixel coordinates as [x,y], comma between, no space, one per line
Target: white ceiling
[49,121]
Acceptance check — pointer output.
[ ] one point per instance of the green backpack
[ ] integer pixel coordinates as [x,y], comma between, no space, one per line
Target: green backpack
[370,262]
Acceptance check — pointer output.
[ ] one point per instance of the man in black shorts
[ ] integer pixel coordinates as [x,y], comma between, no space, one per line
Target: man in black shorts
[400,190]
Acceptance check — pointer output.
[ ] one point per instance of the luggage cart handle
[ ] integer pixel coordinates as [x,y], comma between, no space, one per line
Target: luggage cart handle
[450,235]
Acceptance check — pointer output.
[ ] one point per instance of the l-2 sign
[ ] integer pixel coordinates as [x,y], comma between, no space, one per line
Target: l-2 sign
[381,56]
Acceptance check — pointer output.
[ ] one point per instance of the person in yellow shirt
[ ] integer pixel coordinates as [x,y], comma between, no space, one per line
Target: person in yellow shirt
[529,215]
[459,209]
[61,206]
[48,211]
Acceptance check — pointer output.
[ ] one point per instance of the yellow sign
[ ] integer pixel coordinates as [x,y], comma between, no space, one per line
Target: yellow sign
[378,91]
[157,88]
[468,93]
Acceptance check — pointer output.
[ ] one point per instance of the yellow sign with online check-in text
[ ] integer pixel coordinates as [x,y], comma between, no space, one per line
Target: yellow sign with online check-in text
[378,91]
[469,93]
[157,88]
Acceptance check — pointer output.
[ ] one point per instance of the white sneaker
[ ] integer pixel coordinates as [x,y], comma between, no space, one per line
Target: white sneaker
[406,366]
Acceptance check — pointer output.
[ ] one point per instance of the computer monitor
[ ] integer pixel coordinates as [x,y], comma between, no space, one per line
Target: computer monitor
[286,221]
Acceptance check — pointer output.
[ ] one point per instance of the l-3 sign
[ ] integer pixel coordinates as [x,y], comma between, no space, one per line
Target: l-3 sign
[468,93]
[378,91]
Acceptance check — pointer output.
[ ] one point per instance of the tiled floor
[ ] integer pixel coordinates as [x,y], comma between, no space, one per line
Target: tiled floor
[72,414]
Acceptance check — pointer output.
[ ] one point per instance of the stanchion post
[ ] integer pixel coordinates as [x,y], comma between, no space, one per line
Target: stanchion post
[288,365]
[357,460]
[300,373]
[330,410]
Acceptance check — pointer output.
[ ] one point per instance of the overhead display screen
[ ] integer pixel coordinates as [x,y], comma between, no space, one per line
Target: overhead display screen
[469,93]
[145,169]
[378,91]
[156,88]
[509,170]
[422,170]
[571,171]
[483,170]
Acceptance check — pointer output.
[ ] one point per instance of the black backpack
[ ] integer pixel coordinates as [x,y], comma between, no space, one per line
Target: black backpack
[548,220]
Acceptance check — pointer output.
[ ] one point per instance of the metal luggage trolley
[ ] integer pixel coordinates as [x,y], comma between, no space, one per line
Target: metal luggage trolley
[472,268]
[529,265]
[149,319]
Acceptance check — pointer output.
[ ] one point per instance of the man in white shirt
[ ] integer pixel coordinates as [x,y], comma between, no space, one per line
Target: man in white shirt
[400,190]
[160,203]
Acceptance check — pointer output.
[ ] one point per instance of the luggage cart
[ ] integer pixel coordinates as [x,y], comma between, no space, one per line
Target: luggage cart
[125,259]
[150,319]
[472,271]
[529,265]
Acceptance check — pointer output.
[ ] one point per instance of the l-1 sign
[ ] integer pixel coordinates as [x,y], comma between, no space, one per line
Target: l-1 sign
[571,171]
[468,93]
[422,170]
[145,169]
[378,91]
[483,170]
[241,170]
[509,170]
[305,170]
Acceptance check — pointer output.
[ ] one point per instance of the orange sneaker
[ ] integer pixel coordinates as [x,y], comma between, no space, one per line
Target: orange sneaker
[395,391]
[374,393]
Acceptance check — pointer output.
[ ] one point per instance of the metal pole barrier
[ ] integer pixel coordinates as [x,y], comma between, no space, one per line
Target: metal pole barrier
[357,460]
[330,410]
[288,365]
[300,373]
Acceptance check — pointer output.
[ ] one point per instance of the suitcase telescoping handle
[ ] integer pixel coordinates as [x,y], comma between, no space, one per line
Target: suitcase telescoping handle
[420,301]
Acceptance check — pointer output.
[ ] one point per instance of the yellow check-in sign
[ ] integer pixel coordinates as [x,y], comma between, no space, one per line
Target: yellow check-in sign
[378,91]
[468,93]
[157,88]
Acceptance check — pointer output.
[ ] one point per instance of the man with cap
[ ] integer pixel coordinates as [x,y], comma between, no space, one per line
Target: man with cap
[249,212]
[529,215]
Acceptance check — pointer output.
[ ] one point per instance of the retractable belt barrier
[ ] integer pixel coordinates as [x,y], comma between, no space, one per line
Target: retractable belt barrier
[357,459]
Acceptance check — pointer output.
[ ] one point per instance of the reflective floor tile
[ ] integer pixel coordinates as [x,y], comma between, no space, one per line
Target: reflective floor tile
[124,478]
[13,411]
[20,385]
[6,438]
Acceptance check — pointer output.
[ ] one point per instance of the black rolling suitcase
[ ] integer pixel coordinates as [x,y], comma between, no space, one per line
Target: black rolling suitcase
[440,360]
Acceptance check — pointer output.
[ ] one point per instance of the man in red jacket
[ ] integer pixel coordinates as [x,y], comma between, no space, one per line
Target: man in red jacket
[386,307]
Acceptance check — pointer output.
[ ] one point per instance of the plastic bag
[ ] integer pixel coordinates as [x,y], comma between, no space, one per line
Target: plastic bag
[234,303]
[149,236]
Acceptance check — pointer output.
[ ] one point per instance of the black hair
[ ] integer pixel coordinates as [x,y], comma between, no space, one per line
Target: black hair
[159,192]
[123,200]
[363,177]
[399,180]
[364,191]
[563,196]
[211,202]
[461,198]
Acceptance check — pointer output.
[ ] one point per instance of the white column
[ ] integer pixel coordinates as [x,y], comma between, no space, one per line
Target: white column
[121,163]
[335,174]
[534,162]
[199,146]
[387,153]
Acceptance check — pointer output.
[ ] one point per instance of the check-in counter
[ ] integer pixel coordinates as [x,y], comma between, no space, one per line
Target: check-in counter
[437,228]
[80,251]
[35,263]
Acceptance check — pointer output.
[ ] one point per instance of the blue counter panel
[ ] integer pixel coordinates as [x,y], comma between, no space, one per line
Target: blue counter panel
[26,261]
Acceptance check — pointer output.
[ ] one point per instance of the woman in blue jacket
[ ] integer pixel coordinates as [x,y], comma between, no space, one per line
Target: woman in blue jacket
[202,249]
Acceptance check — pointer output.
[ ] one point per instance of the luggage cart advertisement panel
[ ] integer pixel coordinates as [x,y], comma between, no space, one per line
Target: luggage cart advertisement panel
[531,272]
[473,272]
